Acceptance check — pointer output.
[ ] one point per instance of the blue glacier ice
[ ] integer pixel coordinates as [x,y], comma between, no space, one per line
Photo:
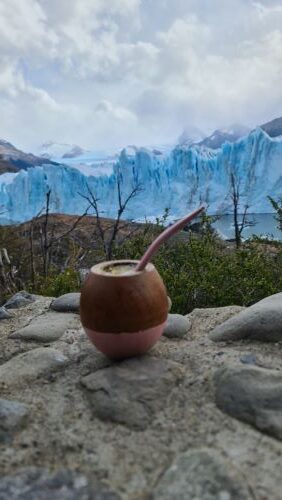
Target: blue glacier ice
[179,180]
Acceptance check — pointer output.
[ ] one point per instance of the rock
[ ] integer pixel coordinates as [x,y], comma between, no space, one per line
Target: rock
[206,319]
[131,392]
[251,394]
[12,415]
[272,298]
[177,326]
[67,303]
[4,314]
[20,299]
[29,366]
[262,321]
[248,359]
[201,474]
[38,484]
[62,429]
[46,327]
[169,303]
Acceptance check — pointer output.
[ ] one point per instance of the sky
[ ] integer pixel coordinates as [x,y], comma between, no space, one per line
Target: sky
[107,73]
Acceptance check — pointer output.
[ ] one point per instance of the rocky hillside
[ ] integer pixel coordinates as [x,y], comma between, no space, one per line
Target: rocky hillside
[198,417]
[219,137]
[14,160]
[273,128]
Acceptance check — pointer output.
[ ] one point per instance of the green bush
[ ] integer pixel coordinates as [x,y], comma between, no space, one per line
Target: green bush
[200,272]
[58,284]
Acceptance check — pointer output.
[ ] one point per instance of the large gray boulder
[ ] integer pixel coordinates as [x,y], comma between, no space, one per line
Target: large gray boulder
[262,321]
[69,302]
[251,394]
[20,299]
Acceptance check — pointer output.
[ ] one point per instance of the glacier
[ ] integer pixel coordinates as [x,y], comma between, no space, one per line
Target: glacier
[179,179]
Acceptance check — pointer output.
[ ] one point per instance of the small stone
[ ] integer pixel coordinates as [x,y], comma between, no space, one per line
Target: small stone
[34,483]
[47,327]
[177,326]
[131,392]
[201,474]
[20,299]
[13,415]
[248,359]
[29,366]
[251,394]
[67,303]
[262,321]
[4,314]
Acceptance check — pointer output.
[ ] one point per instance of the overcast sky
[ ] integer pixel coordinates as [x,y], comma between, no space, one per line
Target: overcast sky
[107,73]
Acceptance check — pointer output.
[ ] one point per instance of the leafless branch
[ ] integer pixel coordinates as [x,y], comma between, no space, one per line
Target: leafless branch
[72,228]
[235,195]
[108,236]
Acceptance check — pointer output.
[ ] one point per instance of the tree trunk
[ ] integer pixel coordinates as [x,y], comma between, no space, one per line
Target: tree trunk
[236,226]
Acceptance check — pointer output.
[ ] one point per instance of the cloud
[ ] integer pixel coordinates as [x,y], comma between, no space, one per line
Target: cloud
[107,73]
[106,108]
[267,8]
[24,28]
[199,80]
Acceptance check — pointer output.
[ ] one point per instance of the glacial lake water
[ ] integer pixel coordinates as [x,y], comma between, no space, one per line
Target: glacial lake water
[266,225]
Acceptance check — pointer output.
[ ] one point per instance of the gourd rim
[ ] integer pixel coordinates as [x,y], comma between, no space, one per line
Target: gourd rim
[103,268]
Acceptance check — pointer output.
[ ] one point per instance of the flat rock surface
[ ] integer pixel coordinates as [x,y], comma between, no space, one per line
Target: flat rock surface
[131,392]
[177,326]
[202,474]
[262,321]
[47,327]
[26,367]
[66,303]
[38,484]
[62,430]
[12,414]
[253,395]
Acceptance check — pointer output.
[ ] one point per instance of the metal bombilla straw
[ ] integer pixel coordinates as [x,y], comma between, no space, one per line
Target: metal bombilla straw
[164,236]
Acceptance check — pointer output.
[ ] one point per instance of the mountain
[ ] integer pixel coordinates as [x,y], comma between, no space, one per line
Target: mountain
[190,135]
[273,128]
[60,151]
[235,132]
[219,137]
[179,180]
[86,161]
[13,160]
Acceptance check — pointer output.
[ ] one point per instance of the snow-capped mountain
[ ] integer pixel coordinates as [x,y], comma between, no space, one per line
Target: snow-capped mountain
[13,160]
[180,180]
[191,135]
[219,137]
[60,151]
[273,128]
[86,161]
